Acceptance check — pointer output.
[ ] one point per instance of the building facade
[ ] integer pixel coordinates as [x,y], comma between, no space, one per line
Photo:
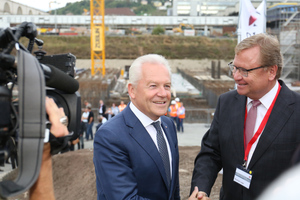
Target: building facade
[8,7]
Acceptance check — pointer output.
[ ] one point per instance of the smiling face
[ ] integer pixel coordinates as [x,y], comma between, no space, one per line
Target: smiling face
[152,93]
[259,81]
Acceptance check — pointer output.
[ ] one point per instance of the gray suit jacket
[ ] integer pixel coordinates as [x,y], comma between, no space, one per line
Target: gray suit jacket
[223,145]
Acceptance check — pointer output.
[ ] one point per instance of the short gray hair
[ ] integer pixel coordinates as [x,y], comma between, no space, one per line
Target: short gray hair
[135,69]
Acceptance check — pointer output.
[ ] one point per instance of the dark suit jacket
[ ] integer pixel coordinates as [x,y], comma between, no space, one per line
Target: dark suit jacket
[223,145]
[128,164]
[103,109]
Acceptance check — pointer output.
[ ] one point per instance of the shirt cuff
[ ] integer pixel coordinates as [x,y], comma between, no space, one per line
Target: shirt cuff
[47,134]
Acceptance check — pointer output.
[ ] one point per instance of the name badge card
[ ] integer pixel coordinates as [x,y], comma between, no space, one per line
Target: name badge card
[243,177]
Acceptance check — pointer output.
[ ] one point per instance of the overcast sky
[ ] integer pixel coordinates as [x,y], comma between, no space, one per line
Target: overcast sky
[44,4]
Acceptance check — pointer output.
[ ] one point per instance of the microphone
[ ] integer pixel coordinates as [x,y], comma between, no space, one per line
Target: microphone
[57,79]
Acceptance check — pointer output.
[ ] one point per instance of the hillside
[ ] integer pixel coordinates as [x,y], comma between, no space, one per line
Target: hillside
[172,47]
[79,8]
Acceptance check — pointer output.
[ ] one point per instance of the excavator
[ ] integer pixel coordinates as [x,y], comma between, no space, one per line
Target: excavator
[183,27]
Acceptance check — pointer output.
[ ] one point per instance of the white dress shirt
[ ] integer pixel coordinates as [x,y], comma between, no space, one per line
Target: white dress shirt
[262,109]
[146,122]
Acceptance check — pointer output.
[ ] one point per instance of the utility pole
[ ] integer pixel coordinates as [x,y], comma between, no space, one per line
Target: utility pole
[54,13]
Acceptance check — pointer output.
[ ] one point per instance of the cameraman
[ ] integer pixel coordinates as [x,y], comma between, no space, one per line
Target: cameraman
[43,187]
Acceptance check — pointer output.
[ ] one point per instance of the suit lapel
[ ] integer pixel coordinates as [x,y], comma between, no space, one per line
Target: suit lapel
[280,114]
[238,119]
[142,137]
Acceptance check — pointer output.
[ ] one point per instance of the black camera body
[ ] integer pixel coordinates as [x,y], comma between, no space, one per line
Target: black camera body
[23,119]
[64,62]
[68,101]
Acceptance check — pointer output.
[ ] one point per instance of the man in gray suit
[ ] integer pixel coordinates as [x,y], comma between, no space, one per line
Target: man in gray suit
[248,167]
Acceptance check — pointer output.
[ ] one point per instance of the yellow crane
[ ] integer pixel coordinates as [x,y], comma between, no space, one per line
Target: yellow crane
[97,36]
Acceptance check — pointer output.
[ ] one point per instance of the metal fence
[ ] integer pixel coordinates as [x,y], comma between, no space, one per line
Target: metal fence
[192,115]
[199,115]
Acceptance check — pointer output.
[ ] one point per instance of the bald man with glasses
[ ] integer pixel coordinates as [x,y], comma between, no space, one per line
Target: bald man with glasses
[255,129]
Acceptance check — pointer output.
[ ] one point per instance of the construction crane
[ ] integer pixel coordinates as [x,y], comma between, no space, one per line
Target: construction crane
[97,36]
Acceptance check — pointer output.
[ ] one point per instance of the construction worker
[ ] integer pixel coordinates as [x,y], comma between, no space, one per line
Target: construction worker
[180,117]
[177,100]
[173,111]
[122,106]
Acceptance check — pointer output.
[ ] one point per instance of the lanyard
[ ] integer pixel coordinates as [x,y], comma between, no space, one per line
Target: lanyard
[260,128]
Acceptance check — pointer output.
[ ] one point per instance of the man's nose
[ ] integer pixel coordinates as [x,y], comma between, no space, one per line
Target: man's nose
[162,91]
[237,75]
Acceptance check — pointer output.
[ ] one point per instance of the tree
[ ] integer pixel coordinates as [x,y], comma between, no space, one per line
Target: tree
[158,30]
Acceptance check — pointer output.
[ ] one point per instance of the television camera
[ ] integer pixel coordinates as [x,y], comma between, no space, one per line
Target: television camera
[23,119]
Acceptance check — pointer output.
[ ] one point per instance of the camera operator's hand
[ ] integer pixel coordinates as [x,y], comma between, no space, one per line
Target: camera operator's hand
[55,114]
[43,187]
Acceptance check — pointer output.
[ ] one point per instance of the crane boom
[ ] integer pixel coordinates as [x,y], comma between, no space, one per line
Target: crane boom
[97,36]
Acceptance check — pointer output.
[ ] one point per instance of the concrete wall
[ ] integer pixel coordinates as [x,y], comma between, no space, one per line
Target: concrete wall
[13,8]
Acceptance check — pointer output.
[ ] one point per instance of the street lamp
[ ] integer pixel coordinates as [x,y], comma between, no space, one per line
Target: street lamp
[54,13]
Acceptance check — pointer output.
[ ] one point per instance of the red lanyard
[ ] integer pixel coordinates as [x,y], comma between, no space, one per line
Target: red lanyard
[261,127]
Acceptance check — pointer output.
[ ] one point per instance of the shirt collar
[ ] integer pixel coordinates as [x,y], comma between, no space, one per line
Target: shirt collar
[267,99]
[144,119]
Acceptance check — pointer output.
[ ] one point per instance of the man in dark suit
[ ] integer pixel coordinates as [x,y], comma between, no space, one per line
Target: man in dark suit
[102,108]
[128,156]
[248,167]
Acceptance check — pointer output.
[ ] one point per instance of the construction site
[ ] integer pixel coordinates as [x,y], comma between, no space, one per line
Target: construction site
[198,84]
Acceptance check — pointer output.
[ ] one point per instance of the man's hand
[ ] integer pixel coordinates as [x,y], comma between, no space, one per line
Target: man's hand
[198,195]
[55,113]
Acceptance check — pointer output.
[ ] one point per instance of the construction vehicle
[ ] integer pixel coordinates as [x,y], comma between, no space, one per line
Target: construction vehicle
[183,27]
[86,12]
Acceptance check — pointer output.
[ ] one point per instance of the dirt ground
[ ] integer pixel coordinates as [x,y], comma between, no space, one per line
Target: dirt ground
[74,176]
[78,181]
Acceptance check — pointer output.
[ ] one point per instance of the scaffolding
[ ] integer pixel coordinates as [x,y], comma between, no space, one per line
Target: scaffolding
[284,21]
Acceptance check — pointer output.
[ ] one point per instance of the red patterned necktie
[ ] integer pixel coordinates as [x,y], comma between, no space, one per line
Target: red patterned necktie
[250,121]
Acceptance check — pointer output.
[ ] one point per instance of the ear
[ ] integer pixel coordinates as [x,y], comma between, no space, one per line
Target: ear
[131,91]
[272,72]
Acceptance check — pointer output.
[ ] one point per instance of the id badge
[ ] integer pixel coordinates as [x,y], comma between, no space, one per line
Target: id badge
[243,176]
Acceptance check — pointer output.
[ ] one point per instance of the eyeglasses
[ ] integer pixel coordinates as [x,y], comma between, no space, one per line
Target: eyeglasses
[242,71]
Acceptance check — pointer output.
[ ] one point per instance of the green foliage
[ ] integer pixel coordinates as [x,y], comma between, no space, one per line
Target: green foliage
[120,4]
[172,47]
[77,7]
[144,9]
[158,30]
[74,8]
[159,13]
